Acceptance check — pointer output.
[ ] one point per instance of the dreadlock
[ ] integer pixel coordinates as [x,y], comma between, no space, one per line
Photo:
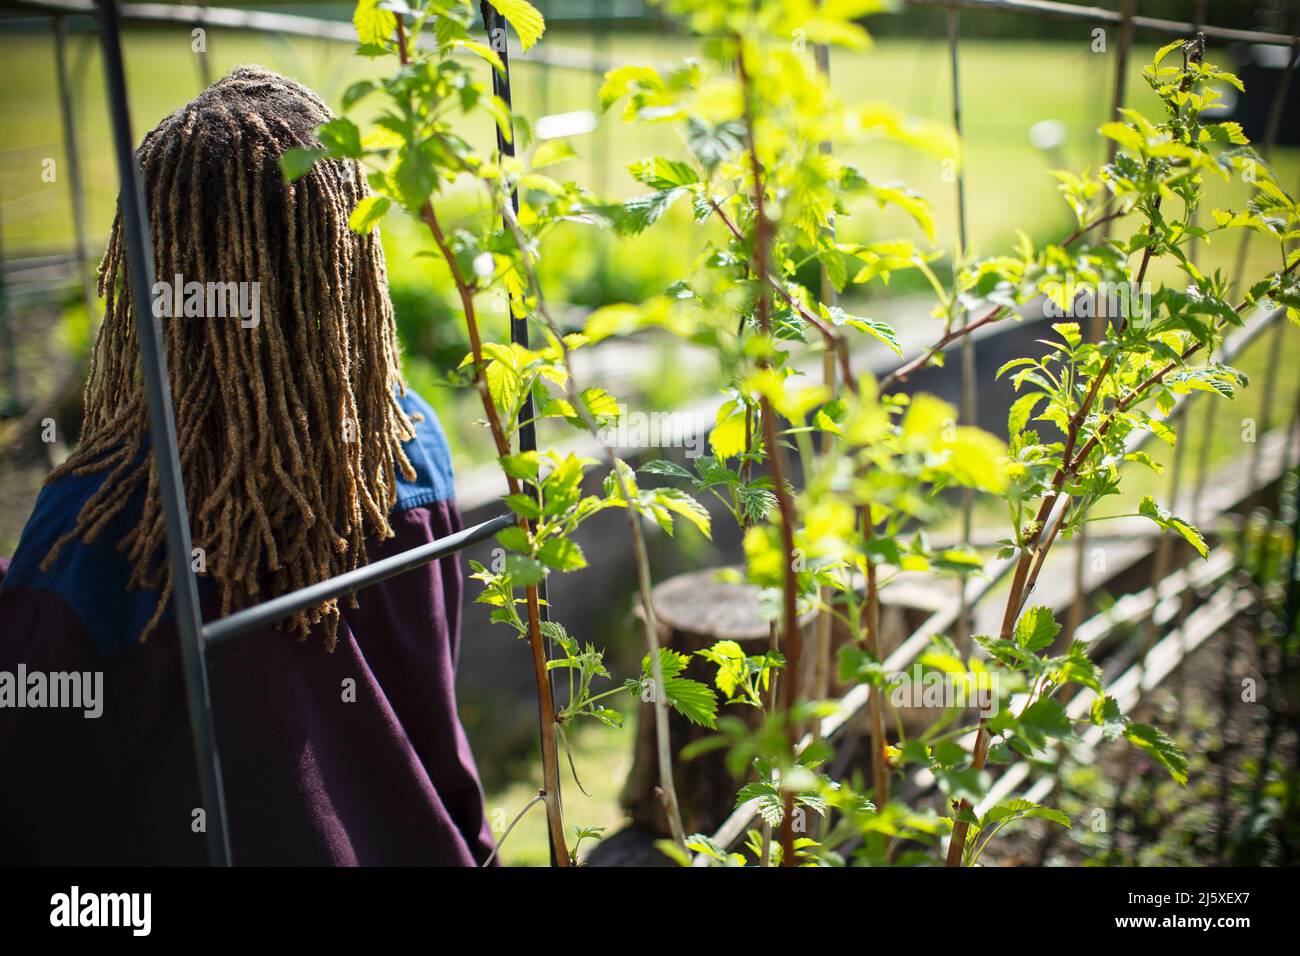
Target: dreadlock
[290,431]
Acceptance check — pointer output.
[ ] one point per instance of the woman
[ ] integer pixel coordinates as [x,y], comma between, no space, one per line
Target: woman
[303,456]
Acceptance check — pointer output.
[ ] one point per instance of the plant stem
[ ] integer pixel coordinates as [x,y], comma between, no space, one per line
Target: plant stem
[835,344]
[518,816]
[641,556]
[1035,553]
[536,640]
[1032,558]
[995,314]
[876,708]
[545,703]
[785,503]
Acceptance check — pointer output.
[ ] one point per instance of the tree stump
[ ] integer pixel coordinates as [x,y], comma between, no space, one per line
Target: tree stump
[696,610]
[693,612]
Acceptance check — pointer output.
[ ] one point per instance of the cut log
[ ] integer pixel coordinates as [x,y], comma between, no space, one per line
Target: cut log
[694,611]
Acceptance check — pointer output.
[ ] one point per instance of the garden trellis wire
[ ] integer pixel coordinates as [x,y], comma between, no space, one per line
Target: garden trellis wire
[196,635]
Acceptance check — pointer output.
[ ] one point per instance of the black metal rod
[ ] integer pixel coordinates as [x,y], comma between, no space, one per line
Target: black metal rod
[278,608]
[162,430]
[494,24]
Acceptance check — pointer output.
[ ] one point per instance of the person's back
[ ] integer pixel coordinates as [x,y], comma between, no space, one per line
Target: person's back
[303,456]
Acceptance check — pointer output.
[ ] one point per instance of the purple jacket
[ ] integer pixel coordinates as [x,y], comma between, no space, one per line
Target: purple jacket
[351,757]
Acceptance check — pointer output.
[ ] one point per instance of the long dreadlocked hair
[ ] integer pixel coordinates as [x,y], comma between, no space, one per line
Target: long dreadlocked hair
[290,431]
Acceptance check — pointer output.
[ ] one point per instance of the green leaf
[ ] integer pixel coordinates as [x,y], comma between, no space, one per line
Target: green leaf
[905,199]
[515,539]
[1125,135]
[524,505]
[524,570]
[856,666]
[414,176]
[1106,715]
[756,502]
[714,144]
[660,173]
[1022,410]
[640,212]
[668,469]
[375,25]
[626,79]
[675,853]
[342,138]
[680,503]
[481,50]
[525,18]
[671,663]
[551,152]
[1164,51]
[1037,628]
[693,700]
[353,94]
[367,214]
[524,465]
[882,331]
[976,459]
[562,555]
[1014,363]
[1024,809]
[1046,716]
[600,404]
[1149,508]
[728,437]
[1158,744]
[295,163]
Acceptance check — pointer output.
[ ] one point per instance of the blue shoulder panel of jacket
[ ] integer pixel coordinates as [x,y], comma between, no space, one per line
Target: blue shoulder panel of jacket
[92,577]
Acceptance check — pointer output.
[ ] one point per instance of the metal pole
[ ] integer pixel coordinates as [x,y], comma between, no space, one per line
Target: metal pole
[76,185]
[968,400]
[205,67]
[1120,89]
[543,68]
[818,685]
[162,431]
[274,609]
[1211,407]
[1266,147]
[493,22]
[1097,328]
[600,53]
[13,405]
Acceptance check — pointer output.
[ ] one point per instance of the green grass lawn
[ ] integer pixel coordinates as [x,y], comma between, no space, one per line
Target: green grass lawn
[603,757]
